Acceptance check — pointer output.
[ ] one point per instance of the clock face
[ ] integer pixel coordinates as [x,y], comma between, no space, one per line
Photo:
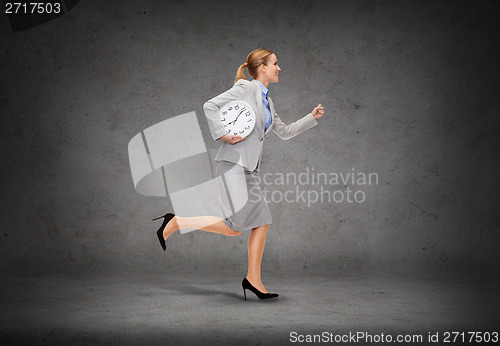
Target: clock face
[238,118]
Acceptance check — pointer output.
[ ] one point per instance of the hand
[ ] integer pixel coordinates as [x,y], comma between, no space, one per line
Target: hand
[232,139]
[236,118]
[318,112]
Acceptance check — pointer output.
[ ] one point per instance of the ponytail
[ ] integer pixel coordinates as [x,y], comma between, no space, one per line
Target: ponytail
[240,74]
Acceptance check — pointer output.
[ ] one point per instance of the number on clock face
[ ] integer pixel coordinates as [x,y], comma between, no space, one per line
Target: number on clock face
[238,118]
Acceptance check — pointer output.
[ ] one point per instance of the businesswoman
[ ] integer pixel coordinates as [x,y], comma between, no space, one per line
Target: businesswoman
[238,160]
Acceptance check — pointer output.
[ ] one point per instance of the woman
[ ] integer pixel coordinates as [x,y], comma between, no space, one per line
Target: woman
[238,160]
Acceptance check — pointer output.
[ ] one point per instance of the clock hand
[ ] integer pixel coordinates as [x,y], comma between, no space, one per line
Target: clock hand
[236,117]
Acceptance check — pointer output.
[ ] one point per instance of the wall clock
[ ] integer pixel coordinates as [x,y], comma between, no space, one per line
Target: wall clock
[238,118]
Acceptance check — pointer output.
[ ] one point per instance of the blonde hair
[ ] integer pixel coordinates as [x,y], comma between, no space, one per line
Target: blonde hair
[256,58]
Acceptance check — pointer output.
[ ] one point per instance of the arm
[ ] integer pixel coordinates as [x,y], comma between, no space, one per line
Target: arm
[212,106]
[285,131]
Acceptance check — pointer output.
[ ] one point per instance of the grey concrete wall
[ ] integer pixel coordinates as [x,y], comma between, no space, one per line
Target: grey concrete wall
[410,91]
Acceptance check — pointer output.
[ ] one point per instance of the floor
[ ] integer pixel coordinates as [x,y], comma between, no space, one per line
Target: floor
[201,308]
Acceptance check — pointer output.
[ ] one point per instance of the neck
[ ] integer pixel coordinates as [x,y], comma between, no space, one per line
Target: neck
[264,82]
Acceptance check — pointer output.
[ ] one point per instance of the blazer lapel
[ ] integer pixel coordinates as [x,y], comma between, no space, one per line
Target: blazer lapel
[260,109]
[271,106]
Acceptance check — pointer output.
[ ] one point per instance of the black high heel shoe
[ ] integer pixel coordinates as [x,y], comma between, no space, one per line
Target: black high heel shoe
[248,286]
[166,218]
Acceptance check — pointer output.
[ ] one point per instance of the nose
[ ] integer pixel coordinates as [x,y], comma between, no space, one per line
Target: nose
[279,68]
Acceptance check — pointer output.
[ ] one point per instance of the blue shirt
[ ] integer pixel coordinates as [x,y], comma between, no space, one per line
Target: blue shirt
[265,103]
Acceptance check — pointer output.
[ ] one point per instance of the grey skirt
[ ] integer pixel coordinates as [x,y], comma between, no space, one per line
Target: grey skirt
[242,203]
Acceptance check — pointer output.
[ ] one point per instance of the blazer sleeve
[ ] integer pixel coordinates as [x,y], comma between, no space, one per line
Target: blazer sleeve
[212,106]
[285,131]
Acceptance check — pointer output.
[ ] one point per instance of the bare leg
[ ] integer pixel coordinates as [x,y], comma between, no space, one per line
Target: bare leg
[205,223]
[256,243]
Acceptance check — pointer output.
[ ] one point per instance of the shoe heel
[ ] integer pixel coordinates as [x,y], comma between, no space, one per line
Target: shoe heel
[159,217]
[245,294]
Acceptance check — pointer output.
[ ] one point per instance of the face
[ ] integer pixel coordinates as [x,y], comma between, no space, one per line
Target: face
[271,70]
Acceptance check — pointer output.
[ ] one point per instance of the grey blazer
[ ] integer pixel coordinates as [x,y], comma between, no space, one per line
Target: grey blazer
[248,152]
